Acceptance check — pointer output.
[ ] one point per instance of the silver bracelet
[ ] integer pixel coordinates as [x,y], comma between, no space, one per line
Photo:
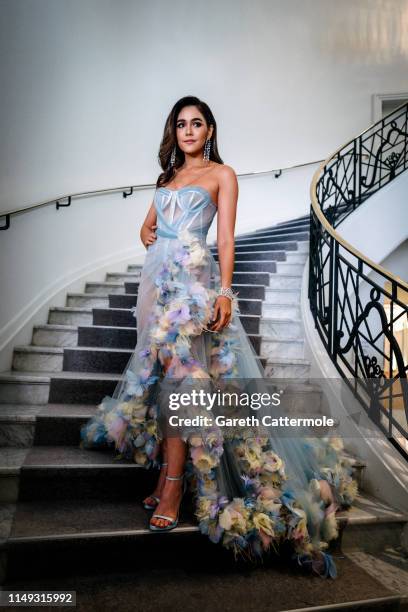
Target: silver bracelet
[228,292]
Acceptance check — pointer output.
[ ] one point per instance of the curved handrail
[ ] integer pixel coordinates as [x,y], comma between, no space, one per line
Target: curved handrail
[357,332]
[127,190]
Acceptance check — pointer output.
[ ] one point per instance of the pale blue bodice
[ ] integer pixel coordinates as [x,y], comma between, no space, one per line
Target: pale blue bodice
[189,207]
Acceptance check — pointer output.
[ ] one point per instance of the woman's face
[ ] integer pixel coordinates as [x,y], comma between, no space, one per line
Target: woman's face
[192,130]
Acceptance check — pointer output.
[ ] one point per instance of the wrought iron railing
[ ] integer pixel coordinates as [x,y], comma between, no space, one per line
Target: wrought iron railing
[359,308]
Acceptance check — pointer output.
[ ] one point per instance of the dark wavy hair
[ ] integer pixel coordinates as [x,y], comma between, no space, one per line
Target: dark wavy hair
[169,139]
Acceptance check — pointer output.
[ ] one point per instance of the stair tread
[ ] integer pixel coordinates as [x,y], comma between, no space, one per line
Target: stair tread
[266,243]
[28,412]
[34,348]
[53,519]
[67,410]
[112,327]
[282,320]
[101,349]
[56,327]
[266,338]
[282,290]
[90,295]
[73,456]
[281,304]
[45,377]
[125,274]
[18,412]
[288,361]
[103,282]
[71,309]
[36,520]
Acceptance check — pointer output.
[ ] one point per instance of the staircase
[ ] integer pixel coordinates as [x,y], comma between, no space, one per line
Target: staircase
[64,509]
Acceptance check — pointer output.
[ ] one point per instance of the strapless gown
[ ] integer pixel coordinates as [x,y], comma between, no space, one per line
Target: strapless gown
[253,491]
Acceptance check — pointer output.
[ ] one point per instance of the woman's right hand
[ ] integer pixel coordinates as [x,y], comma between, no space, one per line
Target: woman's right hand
[148,235]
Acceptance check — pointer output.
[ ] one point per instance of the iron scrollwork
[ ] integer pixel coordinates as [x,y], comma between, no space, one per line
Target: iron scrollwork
[356,313]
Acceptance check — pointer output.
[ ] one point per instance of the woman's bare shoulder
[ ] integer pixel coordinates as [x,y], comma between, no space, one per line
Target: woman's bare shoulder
[225,172]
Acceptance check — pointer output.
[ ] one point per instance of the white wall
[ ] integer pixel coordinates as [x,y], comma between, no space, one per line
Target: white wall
[86,85]
[379,226]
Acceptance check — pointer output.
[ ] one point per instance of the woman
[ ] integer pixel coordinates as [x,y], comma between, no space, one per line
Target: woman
[252,490]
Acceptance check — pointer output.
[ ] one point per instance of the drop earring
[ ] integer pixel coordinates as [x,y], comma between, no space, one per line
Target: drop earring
[207,149]
[173,156]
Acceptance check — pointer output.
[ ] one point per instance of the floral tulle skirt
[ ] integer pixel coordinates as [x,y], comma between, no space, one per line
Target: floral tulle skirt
[253,489]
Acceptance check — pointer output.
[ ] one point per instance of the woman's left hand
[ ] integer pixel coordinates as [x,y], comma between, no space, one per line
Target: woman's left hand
[222,313]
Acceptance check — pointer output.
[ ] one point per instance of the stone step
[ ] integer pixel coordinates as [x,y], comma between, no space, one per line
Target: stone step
[55,387]
[281,328]
[131,287]
[273,348]
[251,278]
[121,317]
[107,336]
[59,424]
[123,276]
[287,368]
[256,266]
[127,300]
[261,246]
[134,268]
[281,310]
[69,472]
[121,526]
[175,587]
[300,237]
[279,229]
[86,300]
[17,425]
[24,388]
[96,359]
[250,306]
[282,296]
[301,246]
[289,268]
[103,288]
[294,230]
[81,387]
[65,315]
[124,318]
[297,257]
[372,525]
[55,335]
[91,335]
[258,256]
[249,291]
[285,281]
[304,219]
[50,472]
[123,337]
[37,359]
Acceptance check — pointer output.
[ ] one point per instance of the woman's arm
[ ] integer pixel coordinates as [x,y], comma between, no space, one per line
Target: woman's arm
[147,231]
[227,211]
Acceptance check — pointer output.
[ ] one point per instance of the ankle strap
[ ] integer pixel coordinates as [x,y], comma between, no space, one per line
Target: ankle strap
[175,477]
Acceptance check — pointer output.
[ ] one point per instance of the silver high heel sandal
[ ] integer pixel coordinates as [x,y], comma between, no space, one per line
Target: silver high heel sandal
[173,522]
[156,499]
